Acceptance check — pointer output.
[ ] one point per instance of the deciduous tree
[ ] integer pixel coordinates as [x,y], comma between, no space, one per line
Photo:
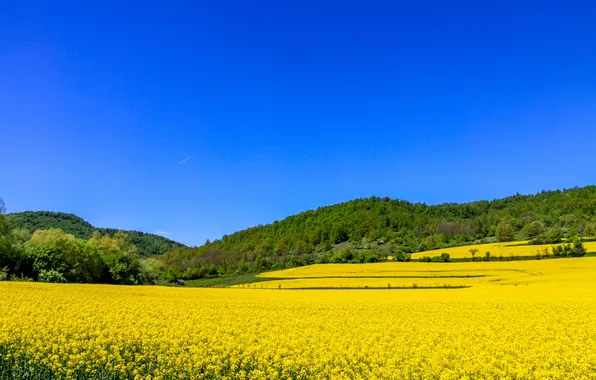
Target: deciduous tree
[505,232]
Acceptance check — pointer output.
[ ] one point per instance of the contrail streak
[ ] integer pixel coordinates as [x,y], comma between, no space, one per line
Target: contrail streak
[186,159]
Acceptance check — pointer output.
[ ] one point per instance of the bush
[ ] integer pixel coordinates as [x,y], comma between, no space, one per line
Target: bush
[323,259]
[505,232]
[261,264]
[578,248]
[51,275]
[296,261]
[402,256]
[534,229]
[473,252]
[444,258]
[553,236]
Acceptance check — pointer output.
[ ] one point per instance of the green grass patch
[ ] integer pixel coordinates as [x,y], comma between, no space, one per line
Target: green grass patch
[222,282]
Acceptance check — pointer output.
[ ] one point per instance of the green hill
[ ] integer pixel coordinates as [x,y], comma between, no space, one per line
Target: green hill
[364,229]
[147,244]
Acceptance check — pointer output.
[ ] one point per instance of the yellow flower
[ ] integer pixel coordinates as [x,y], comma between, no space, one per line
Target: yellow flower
[494,328]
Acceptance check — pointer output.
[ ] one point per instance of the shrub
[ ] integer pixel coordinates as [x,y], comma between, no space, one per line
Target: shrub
[473,252]
[402,256]
[578,248]
[445,258]
[51,275]
[553,236]
[534,229]
[505,232]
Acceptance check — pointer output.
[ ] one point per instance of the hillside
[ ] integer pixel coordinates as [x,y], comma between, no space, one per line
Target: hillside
[147,244]
[368,229]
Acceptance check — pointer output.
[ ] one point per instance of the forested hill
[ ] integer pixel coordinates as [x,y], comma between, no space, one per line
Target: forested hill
[147,244]
[399,226]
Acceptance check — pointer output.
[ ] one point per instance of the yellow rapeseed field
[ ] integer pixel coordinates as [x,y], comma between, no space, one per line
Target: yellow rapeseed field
[506,250]
[523,320]
[366,282]
[565,272]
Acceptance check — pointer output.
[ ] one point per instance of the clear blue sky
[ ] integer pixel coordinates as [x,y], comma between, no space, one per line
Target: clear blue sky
[287,106]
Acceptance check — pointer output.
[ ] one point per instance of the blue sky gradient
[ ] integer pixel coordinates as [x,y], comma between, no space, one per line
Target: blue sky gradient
[287,106]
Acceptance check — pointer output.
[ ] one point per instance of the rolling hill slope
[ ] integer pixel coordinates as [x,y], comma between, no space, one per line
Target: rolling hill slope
[147,244]
[367,229]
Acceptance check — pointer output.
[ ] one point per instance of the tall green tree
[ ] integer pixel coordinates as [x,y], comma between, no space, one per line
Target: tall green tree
[553,236]
[4,228]
[505,232]
[534,229]
[590,230]
[7,257]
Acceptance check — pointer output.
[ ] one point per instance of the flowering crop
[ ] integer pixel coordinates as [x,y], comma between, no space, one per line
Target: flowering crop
[362,283]
[484,272]
[540,324]
[506,250]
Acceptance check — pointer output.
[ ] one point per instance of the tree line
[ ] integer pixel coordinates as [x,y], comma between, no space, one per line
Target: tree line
[367,230]
[53,255]
[147,244]
[362,230]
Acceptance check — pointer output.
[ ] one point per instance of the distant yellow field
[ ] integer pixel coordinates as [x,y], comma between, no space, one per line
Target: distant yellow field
[347,282]
[563,271]
[518,248]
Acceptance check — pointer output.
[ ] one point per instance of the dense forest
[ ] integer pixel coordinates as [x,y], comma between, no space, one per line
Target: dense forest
[367,230]
[146,244]
[62,247]
[40,252]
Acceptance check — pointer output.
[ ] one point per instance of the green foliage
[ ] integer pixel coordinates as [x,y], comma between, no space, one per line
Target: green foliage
[505,232]
[362,230]
[577,248]
[51,275]
[402,256]
[146,244]
[55,256]
[473,252]
[552,236]
[589,230]
[347,232]
[350,256]
[445,258]
[534,229]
